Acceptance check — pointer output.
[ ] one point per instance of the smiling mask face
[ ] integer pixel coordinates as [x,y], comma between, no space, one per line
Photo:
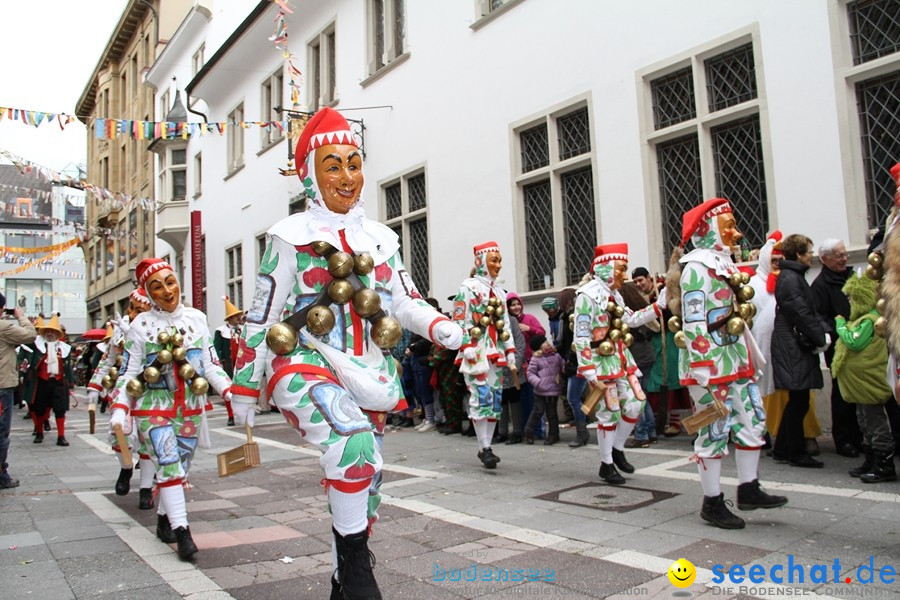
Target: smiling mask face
[163,289]
[339,174]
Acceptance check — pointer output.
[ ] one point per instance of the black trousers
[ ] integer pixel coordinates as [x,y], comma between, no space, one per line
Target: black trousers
[790,443]
[51,393]
[844,426]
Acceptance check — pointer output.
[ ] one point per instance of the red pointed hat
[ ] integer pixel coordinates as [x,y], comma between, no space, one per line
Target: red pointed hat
[139,295]
[608,252]
[485,248]
[698,214]
[325,127]
[148,267]
[895,173]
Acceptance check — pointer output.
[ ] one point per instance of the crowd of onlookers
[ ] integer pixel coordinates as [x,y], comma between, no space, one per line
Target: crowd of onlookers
[803,329]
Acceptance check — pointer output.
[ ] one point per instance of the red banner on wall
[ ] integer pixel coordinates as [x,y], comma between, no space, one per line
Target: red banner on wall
[197,261]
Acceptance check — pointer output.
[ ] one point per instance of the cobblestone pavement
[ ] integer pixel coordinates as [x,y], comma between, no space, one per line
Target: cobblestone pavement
[448,529]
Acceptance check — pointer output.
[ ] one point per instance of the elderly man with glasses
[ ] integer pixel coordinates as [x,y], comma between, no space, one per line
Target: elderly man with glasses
[831,302]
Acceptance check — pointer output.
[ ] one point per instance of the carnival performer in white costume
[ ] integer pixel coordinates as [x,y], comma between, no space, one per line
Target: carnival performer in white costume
[338,278]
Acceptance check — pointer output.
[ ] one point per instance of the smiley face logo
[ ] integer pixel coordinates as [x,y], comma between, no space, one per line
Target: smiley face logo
[682,573]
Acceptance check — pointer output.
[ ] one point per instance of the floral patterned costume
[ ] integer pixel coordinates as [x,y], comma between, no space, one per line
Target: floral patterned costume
[707,300]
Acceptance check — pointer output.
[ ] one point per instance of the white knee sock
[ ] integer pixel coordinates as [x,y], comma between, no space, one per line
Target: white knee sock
[605,440]
[172,500]
[147,473]
[623,430]
[349,510]
[484,431]
[747,465]
[710,469]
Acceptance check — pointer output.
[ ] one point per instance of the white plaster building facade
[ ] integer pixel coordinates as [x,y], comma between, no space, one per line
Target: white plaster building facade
[547,126]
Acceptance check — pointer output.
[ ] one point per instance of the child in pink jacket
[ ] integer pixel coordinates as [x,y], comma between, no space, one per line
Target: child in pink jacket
[545,374]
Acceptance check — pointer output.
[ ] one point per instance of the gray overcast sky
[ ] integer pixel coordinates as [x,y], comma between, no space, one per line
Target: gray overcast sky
[48,50]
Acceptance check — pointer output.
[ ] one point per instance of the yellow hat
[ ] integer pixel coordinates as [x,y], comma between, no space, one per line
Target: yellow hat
[39,322]
[52,324]
[230,309]
[109,332]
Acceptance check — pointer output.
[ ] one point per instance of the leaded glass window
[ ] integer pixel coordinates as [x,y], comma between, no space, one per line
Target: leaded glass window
[673,98]
[874,29]
[578,212]
[574,134]
[680,187]
[535,148]
[730,78]
[878,101]
[539,242]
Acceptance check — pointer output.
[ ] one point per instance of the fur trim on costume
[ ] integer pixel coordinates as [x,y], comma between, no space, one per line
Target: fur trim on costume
[890,290]
[673,282]
[862,293]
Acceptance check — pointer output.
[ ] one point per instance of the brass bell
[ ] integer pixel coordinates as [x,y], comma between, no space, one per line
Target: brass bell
[880,304]
[499,324]
[610,306]
[489,310]
[475,333]
[177,340]
[606,348]
[485,321]
[340,291]
[364,264]
[199,386]
[624,329]
[735,280]
[746,293]
[674,324]
[874,273]
[113,373]
[749,323]
[494,301]
[879,326]
[628,340]
[745,278]
[745,309]
[571,327]
[572,318]
[119,361]
[386,332]
[135,388]
[735,326]
[186,371]
[366,302]
[504,336]
[163,338]
[179,354]
[107,382]
[281,338]
[614,335]
[499,310]
[151,374]
[876,259]
[681,340]
[322,248]
[619,312]
[320,320]
[616,324]
[164,357]
[340,264]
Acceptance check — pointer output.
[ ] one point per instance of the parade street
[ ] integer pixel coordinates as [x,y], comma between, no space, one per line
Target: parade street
[539,526]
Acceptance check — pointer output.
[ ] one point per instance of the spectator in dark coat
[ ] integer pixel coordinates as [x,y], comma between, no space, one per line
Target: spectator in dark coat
[798,337]
[831,302]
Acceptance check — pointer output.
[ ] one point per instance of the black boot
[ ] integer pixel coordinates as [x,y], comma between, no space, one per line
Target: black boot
[164,529]
[581,435]
[38,438]
[610,475]
[868,463]
[750,497]
[61,441]
[123,484]
[355,564]
[186,546]
[883,469]
[715,511]
[619,461]
[146,499]
[488,458]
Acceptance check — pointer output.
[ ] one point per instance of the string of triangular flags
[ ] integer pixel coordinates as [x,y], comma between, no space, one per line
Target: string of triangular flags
[280,38]
[12,257]
[68,274]
[76,295]
[61,247]
[21,191]
[35,117]
[101,194]
[37,261]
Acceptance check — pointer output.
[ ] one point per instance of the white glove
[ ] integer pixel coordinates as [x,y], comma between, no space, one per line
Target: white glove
[590,376]
[120,417]
[122,323]
[93,396]
[661,299]
[448,334]
[243,412]
[470,354]
[826,346]
[701,374]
